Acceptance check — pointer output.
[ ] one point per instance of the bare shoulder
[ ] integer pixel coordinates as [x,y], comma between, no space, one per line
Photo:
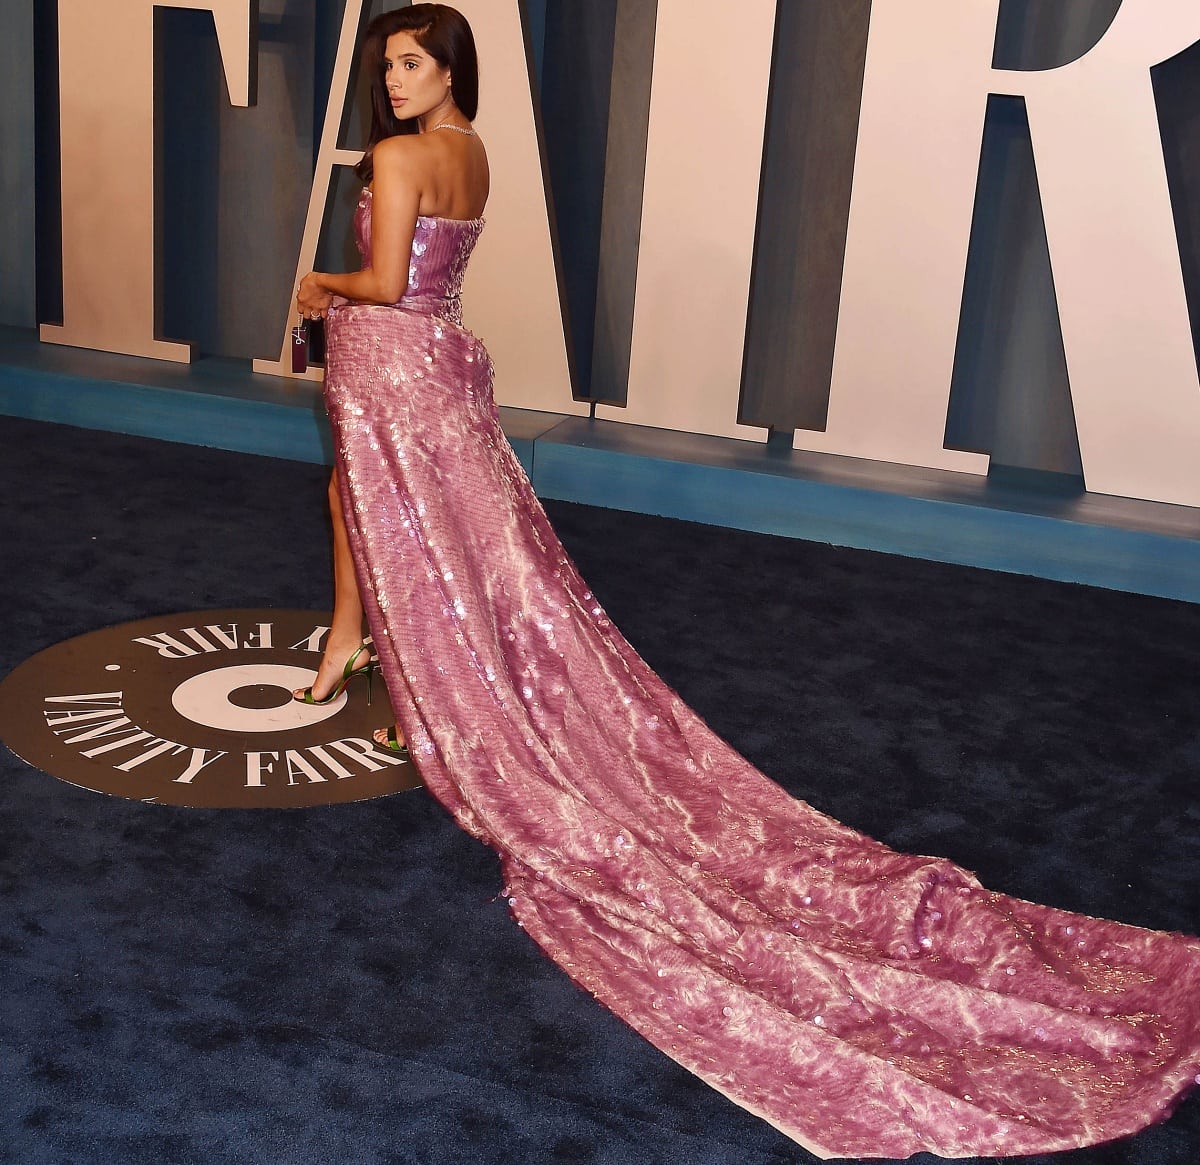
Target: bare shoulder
[405,155]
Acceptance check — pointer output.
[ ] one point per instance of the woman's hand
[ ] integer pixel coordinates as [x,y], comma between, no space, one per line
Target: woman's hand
[312,300]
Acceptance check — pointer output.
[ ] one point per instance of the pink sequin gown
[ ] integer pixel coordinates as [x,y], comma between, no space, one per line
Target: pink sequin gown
[867,1003]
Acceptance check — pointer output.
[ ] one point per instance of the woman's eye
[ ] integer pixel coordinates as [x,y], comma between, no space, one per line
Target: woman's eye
[410,65]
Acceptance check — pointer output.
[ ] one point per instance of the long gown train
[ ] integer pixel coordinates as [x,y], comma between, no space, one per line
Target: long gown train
[867,1003]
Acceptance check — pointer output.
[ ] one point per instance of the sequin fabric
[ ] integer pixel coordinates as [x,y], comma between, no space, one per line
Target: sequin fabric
[867,1003]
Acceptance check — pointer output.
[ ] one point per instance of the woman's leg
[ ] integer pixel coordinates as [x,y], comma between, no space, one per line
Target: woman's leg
[346,630]
[347,622]
[346,626]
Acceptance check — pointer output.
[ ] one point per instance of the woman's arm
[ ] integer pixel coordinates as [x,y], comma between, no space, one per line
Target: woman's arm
[398,183]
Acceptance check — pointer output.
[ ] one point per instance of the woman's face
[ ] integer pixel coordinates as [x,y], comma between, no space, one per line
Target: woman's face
[416,83]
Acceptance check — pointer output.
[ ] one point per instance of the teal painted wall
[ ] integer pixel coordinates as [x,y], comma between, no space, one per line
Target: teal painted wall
[18,258]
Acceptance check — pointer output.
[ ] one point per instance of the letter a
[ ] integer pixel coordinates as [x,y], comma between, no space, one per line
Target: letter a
[523,331]
[1111,236]
[108,164]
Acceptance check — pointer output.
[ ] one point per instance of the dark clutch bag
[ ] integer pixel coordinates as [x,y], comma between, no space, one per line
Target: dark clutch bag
[300,347]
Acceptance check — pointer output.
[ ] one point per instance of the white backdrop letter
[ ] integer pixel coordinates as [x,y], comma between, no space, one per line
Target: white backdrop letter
[108,164]
[1111,235]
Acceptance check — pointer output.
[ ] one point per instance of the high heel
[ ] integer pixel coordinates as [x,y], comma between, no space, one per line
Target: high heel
[348,673]
[393,743]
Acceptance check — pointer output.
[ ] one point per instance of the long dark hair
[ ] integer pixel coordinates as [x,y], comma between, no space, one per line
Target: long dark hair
[443,32]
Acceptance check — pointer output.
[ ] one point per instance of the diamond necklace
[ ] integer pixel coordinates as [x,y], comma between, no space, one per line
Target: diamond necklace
[457,129]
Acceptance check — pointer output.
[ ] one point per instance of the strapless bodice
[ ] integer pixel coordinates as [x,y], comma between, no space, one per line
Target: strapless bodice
[440,251]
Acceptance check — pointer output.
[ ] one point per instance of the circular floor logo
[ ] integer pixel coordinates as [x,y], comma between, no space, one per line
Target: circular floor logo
[196,709]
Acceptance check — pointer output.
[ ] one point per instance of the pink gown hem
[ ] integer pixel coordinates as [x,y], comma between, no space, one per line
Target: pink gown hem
[866,1003]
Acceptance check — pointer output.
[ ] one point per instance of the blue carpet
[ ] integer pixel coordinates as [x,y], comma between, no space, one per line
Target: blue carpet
[339,984]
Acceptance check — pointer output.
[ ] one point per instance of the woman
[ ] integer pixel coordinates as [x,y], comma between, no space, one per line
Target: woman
[410,176]
[868,1003]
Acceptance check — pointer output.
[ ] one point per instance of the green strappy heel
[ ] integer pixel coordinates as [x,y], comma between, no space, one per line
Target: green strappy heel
[393,742]
[348,673]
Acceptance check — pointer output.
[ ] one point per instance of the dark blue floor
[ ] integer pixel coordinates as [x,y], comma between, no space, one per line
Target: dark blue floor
[338,985]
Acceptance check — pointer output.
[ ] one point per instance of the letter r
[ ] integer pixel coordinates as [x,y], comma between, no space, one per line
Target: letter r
[1109,225]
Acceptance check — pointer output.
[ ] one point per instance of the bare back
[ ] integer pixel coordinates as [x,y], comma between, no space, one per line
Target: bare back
[449,170]
[458,176]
